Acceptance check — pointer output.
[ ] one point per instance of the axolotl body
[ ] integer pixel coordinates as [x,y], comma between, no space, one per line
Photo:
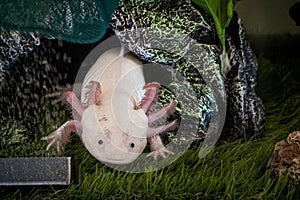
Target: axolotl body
[111,117]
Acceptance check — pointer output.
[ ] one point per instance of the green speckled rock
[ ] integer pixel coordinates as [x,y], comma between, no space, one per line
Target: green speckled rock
[177,34]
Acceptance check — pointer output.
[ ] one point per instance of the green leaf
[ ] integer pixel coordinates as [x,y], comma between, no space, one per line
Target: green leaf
[221,12]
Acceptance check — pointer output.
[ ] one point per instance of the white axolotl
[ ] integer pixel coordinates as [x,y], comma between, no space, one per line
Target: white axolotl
[111,116]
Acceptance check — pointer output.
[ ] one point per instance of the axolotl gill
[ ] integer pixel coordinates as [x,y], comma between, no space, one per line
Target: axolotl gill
[112,117]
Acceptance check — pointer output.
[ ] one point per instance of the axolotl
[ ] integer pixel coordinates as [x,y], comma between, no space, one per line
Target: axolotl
[111,118]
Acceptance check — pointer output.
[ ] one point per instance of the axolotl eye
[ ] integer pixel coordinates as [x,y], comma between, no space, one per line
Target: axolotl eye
[100,142]
[131,145]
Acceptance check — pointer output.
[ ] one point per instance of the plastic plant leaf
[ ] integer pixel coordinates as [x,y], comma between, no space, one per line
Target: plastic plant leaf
[221,12]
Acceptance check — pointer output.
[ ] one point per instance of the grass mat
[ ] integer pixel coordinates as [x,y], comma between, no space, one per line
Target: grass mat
[235,169]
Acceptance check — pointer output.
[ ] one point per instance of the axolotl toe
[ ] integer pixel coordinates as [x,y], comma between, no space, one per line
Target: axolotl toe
[111,117]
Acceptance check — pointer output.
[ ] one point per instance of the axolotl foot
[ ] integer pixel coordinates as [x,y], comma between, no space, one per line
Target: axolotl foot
[60,136]
[157,148]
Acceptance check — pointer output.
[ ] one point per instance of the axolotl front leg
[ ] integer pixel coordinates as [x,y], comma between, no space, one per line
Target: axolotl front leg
[62,135]
[156,145]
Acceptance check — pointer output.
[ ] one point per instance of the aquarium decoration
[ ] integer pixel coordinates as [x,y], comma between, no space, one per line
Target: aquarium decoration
[197,54]
[221,12]
[23,22]
[83,21]
[285,160]
[35,171]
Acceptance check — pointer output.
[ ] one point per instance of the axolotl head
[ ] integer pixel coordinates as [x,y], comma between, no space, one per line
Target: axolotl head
[111,138]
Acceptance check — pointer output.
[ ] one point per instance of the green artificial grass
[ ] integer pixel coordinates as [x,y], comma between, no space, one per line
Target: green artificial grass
[234,169]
